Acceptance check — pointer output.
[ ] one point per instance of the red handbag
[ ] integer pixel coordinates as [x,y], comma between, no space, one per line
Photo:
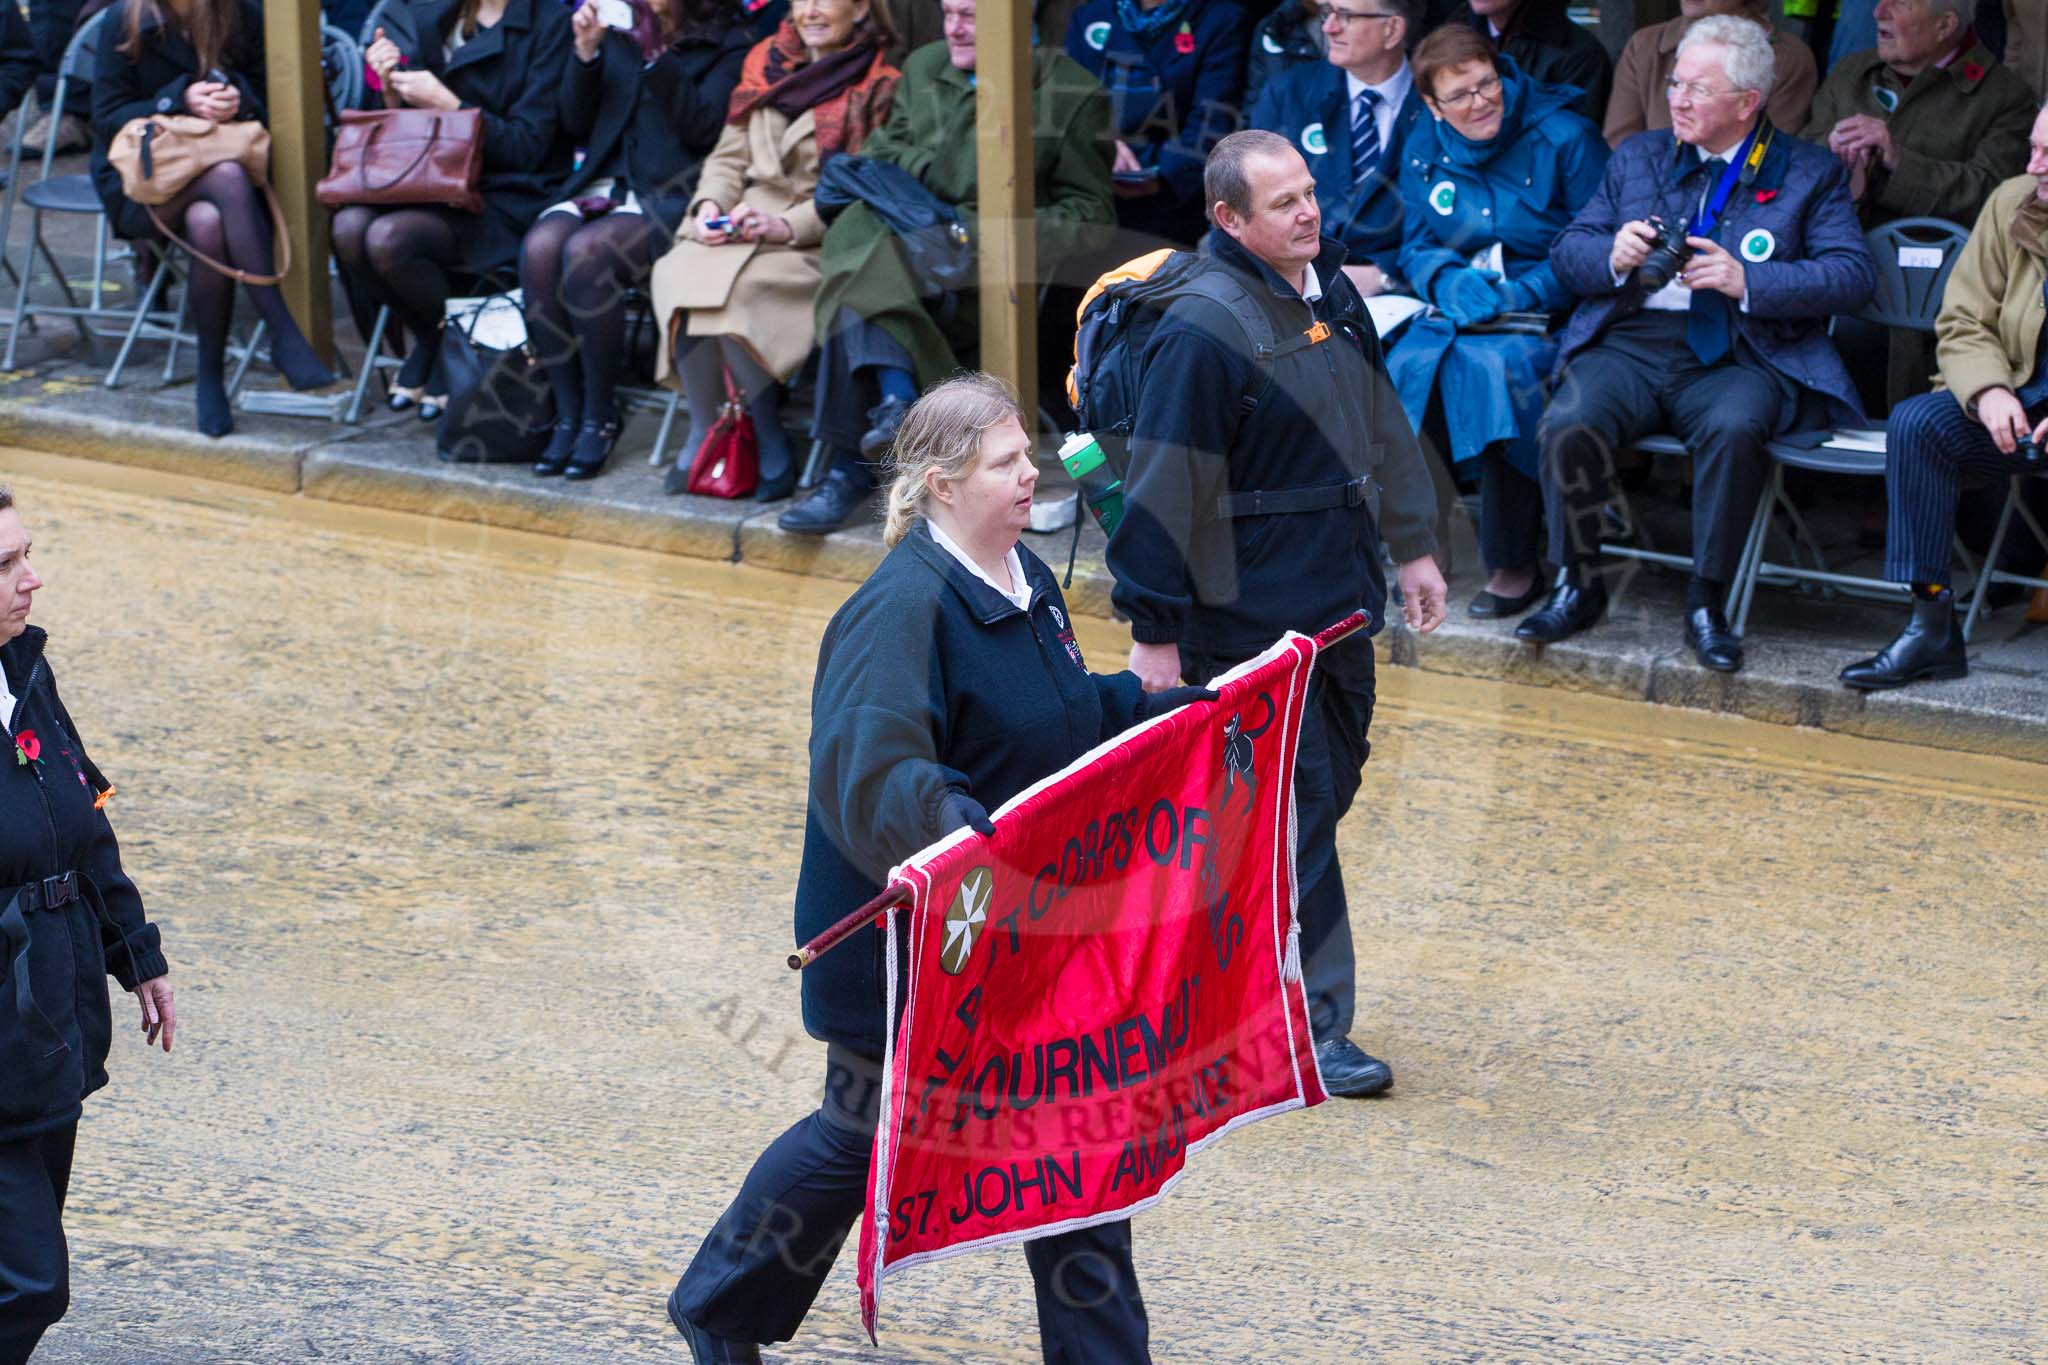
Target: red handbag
[728,464]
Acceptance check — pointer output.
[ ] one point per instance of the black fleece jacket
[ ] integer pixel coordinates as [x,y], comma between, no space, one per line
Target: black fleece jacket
[55,962]
[928,681]
[1227,587]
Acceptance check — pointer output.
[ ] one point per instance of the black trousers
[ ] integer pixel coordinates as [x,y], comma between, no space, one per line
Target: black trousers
[35,1269]
[1329,767]
[1637,379]
[1931,443]
[761,1266]
[839,409]
[1510,513]
[50,24]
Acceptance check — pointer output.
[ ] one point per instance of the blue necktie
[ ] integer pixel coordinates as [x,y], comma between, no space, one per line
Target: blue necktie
[1365,137]
[1707,326]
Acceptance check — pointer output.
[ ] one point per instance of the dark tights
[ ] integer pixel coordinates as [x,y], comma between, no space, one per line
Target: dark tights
[402,257]
[223,215]
[576,276]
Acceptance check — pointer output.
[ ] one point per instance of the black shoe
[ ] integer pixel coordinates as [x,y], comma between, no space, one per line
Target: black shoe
[1489,606]
[561,445]
[1716,646]
[827,509]
[775,489]
[399,399]
[594,444]
[1573,606]
[706,1349]
[432,406]
[1349,1071]
[884,419]
[1931,646]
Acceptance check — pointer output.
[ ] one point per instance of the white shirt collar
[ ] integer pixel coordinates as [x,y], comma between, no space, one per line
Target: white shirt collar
[1021,598]
[1311,286]
[1728,154]
[7,704]
[1392,91]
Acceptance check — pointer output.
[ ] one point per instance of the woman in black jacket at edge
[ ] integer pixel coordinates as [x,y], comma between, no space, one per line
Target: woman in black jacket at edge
[201,57]
[504,57]
[948,680]
[68,916]
[646,105]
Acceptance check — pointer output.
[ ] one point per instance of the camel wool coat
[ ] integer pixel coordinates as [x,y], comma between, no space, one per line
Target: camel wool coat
[756,291]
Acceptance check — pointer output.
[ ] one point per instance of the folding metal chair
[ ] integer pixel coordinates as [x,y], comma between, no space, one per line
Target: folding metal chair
[1671,445]
[2015,505]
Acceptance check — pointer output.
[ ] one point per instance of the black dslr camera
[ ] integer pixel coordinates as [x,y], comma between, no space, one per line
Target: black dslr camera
[1668,255]
[2027,450]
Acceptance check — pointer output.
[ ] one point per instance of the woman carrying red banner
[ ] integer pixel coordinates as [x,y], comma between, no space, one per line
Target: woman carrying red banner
[950,679]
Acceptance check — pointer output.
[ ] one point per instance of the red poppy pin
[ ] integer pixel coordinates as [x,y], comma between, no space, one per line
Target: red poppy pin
[1973,72]
[1184,41]
[1766,196]
[27,749]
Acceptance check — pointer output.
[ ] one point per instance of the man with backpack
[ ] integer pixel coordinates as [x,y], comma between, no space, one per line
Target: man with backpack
[1267,458]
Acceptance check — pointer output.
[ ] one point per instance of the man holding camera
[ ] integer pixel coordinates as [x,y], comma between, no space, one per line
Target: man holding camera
[1989,416]
[1708,265]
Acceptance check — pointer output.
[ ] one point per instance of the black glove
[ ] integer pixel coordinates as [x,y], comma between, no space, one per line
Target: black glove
[1159,703]
[957,808]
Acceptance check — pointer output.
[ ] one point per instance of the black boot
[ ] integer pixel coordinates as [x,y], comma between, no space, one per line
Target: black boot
[884,418]
[1577,600]
[1931,646]
[830,507]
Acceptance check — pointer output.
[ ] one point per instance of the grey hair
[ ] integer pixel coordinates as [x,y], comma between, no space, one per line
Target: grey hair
[6,497]
[1747,58]
[941,434]
[1964,11]
[1223,177]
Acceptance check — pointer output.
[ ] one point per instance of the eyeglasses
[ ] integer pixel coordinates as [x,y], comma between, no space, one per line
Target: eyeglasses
[1692,90]
[1490,87]
[1325,13]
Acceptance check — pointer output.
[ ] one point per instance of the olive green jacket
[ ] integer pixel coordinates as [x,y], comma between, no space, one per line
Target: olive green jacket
[930,133]
[1989,332]
[1961,129]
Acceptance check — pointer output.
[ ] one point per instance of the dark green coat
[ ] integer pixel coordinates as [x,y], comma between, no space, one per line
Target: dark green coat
[930,133]
[1961,130]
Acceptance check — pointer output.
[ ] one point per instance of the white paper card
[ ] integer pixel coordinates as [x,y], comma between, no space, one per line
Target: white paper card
[1390,311]
[1920,257]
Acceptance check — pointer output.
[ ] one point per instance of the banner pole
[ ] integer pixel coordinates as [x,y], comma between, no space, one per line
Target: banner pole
[1350,625]
[840,932]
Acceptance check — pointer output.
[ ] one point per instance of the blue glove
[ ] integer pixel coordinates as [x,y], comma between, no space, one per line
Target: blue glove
[1465,296]
[957,808]
[1519,296]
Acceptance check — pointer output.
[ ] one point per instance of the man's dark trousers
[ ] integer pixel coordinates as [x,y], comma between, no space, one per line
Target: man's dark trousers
[762,1265]
[1640,378]
[35,1283]
[1329,767]
[50,24]
[1929,442]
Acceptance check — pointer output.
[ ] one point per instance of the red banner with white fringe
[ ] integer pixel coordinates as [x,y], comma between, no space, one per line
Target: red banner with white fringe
[1108,984]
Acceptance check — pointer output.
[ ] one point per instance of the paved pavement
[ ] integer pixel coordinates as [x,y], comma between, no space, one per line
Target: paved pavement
[474,851]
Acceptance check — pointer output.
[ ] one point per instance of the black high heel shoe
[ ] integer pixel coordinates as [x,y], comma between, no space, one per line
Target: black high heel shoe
[561,446]
[594,444]
[777,488]
[409,385]
[431,407]
[399,399]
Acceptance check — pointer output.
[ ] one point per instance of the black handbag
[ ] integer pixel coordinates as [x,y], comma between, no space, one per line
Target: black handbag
[500,407]
[934,241]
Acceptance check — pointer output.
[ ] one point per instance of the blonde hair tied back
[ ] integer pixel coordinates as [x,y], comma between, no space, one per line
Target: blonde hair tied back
[941,434]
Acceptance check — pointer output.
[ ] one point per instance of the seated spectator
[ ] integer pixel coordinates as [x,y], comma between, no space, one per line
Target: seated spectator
[506,58]
[744,274]
[1489,184]
[1928,122]
[1546,45]
[1727,355]
[1291,36]
[2026,43]
[51,23]
[880,345]
[646,106]
[160,60]
[1174,70]
[18,60]
[1638,104]
[1994,393]
[1351,117]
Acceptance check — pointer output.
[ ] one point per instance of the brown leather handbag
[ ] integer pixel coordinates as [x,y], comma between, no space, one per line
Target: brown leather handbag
[406,156]
[158,155]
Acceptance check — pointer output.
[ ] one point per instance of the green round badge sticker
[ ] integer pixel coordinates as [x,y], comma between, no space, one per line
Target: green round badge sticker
[1313,140]
[1758,245]
[1443,197]
[1097,36]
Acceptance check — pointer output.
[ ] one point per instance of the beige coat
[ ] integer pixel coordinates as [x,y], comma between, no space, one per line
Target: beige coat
[2026,42]
[759,293]
[1989,331]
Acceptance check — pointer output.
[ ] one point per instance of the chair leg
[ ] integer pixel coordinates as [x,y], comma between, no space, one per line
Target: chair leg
[78,314]
[814,464]
[659,455]
[1743,590]
[1990,571]
[248,354]
[362,388]
[177,336]
[156,284]
[28,271]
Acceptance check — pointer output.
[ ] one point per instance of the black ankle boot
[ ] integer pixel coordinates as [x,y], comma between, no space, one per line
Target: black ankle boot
[561,445]
[594,442]
[1577,599]
[1931,646]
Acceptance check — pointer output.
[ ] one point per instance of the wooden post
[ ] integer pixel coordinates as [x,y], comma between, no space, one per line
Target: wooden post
[298,158]
[1003,194]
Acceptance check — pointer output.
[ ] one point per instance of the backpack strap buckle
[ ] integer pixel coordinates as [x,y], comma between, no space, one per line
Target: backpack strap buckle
[1318,334]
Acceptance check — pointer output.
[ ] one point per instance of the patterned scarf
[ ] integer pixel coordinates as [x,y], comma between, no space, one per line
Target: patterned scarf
[847,93]
[1143,23]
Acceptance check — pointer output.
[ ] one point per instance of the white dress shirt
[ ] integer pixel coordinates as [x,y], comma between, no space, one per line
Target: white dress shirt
[1020,596]
[1675,297]
[1393,93]
[7,705]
